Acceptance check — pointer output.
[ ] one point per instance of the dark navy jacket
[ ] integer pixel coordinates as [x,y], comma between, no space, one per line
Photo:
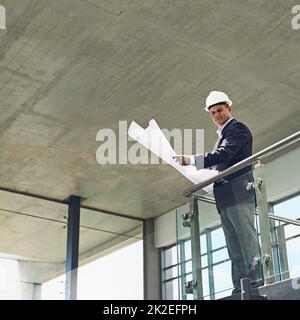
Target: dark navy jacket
[234,146]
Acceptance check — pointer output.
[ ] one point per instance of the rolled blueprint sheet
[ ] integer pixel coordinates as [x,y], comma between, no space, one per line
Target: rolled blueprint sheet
[154,140]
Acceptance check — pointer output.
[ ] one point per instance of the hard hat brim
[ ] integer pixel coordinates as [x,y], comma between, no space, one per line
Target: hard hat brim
[229,103]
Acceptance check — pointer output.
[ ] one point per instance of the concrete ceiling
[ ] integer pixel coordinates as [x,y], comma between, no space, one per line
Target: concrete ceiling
[35,229]
[69,68]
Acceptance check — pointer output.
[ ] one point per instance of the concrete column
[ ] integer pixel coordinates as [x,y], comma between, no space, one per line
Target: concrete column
[152,263]
[32,274]
[37,291]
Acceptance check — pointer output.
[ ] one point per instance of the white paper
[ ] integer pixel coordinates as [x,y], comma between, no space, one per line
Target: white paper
[154,140]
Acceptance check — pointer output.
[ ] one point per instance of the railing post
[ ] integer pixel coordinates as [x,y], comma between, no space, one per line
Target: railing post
[210,266]
[245,289]
[182,270]
[284,264]
[196,248]
[263,213]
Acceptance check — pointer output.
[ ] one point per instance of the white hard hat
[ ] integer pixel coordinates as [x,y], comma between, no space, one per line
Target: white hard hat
[216,97]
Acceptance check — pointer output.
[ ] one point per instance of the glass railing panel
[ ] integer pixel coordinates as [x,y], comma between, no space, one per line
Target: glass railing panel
[227,217]
[183,256]
[210,229]
[287,239]
[270,249]
[186,261]
[286,250]
[237,205]
[281,182]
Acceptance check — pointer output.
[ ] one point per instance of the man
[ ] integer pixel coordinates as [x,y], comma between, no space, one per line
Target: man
[235,202]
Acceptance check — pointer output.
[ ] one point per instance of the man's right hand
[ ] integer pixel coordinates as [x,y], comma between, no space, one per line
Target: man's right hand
[183,160]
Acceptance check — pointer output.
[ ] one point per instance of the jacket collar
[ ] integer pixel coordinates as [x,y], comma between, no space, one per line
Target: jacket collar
[221,129]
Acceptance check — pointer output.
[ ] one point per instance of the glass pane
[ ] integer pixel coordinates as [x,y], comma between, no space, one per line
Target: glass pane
[203,243]
[189,277]
[170,256]
[110,257]
[205,283]
[287,251]
[184,252]
[289,208]
[222,280]
[204,261]
[232,223]
[218,239]
[240,228]
[291,230]
[188,250]
[281,176]
[220,255]
[292,247]
[184,242]
[171,273]
[233,219]
[172,290]
[188,267]
[117,276]
[208,219]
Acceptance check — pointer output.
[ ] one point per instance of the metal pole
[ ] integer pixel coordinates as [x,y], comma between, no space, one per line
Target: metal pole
[245,289]
[210,266]
[181,263]
[196,248]
[283,219]
[263,212]
[276,260]
[275,245]
[72,247]
[284,264]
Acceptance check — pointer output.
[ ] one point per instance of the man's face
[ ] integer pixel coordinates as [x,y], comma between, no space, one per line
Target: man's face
[220,114]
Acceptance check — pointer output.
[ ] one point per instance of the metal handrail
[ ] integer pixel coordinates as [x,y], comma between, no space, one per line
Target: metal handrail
[242,164]
[287,220]
[273,216]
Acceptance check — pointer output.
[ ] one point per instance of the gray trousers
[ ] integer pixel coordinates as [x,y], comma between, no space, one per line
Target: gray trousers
[242,242]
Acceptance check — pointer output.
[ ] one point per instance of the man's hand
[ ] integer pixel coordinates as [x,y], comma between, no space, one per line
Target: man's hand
[182,160]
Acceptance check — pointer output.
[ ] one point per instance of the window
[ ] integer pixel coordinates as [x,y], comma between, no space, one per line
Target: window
[116,276]
[288,237]
[177,266]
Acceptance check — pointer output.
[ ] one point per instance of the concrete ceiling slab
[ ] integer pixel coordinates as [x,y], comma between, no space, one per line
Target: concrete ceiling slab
[35,229]
[70,68]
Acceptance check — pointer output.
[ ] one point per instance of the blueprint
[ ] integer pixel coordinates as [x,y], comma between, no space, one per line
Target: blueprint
[154,140]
